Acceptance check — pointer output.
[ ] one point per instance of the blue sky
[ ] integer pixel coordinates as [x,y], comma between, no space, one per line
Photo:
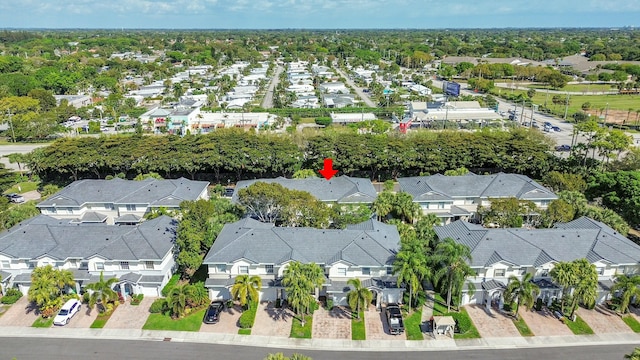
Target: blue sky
[324,14]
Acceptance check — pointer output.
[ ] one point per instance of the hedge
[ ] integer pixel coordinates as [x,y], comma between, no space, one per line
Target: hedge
[11,296]
[248,316]
[170,285]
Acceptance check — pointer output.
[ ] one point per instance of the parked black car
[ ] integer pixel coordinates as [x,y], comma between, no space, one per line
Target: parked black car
[394,319]
[563,148]
[212,315]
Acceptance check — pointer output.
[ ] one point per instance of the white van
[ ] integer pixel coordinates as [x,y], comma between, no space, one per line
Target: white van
[70,308]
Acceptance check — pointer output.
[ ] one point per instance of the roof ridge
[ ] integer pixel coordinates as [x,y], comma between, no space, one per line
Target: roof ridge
[365,250]
[137,229]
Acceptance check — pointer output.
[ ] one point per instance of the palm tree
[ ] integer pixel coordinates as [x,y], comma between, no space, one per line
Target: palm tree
[299,281]
[564,275]
[177,299]
[629,286]
[586,289]
[453,260]
[411,268]
[358,296]
[245,289]
[635,355]
[523,290]
[102,291]
[383,204]
[405,208]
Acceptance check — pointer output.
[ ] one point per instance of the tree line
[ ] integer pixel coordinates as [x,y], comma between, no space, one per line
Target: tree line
[232,154]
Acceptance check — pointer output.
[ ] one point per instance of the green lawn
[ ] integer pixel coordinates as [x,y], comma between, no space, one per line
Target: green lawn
[23,187]
[302,332]
[522,327]
[632,322]
[244,331]
[357,328]
[42,323]
[412,324]
[99,323]
[576,87]
[191,322]
[578,327]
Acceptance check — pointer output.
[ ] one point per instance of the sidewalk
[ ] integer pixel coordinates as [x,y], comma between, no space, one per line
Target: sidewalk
[322,344]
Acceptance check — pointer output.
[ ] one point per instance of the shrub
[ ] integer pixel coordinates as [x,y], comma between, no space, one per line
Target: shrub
[248,316]
[158,306]
[11,296]
[85,297]
[136,299]
[538,305]
[329,304]
[324,121]
[464,322]
[170,285]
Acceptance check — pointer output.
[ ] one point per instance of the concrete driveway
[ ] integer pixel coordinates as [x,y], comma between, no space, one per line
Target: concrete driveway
[272,321]
[543,323]
[19,314]
[603,321]
[491,323]
[334,324]
[84,318]
[376,326]
[127,316]
[228,323]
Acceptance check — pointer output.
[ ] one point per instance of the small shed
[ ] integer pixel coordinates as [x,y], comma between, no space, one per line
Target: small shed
[443,325]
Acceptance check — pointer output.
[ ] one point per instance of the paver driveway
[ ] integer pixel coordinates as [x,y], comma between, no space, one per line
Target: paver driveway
[603,321]
[376,326]
[127,316]
[228,323]
[334,324]
[84,318]
[543,323]
[493,323]
[19,314]
[272,321]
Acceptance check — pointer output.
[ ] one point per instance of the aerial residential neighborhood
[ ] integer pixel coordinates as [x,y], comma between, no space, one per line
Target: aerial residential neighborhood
[336,190]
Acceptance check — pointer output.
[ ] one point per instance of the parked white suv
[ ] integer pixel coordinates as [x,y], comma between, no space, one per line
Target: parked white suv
[70,308]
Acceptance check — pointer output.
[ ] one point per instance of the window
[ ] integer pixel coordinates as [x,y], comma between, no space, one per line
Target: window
[84,265]
[440,205]
[53,210]
[269,269]
[69,210]
[389,270]
[600,270]
[124,265]
[99,266]
[499,273]
[221,268]
[243,269]
[131,207]
[545,273]
[108,206]
[32,265]
[6,264]
[149,265]
[342,271]
[73,263]
[366,271]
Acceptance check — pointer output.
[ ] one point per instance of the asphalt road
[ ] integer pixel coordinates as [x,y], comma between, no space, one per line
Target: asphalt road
[358,90]
[16,148]
[64,349]
[267,102]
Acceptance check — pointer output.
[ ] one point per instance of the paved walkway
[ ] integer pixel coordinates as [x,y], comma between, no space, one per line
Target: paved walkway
[603,321]
[84,318]
[334,324]
[19,314]
[127,316]
[272,321]
[491,323]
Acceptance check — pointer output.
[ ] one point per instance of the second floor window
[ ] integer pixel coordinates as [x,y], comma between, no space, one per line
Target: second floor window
[100,266]
[6,264]
[243,269]
[131,207]
[269,269]
[149,265]
[499,273]
[366,271]
[124,265]
[73,263]
[342,271]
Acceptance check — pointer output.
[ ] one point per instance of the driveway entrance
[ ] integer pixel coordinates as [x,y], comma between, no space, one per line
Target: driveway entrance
[491,323]
[272,321]
[376,326]
[228,323]
[543,323]
[334,324]
[19,314]
[127,316]
[603,321]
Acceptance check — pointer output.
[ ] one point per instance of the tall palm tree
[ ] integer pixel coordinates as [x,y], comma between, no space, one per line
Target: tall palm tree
[629,286]
[63,278]
[452,262]
[102,290]
[411,268]
[299,281]
[564,275]
[245,289]
[177,299]
[586,289]
[405,208]
[524,291]
[383,204]
[358,296]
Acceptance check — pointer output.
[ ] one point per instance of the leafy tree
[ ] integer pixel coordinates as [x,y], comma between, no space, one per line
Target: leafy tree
[629,287]
[524,291]
[359,296]
[557,211]
[245,289]
[576,200]
[457,172]
[452,260]
[565,275]
[558,181]
[586,288]
[47,285]
[506,212]
[304,174]
[619,191]
[264,201]
[343,215]
[635,355]
[102,290]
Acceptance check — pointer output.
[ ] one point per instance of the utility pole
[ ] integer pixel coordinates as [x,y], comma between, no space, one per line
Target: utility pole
[566,107]
[13,134]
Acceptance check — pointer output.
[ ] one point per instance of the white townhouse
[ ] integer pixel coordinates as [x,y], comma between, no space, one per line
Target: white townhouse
[365,251]
[457,197]
[498,254]
[141,256]
[119,201]
[340,189]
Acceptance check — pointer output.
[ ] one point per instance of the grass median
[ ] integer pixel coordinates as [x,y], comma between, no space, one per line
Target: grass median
[191,322]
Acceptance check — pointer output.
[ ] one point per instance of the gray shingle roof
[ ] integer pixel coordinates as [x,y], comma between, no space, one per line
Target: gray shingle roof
[341,189]
[45,236]
[155,192]
[368,244]
[581,238]
[440,187]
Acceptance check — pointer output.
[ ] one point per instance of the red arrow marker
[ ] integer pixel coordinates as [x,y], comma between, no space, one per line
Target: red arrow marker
[328,171]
